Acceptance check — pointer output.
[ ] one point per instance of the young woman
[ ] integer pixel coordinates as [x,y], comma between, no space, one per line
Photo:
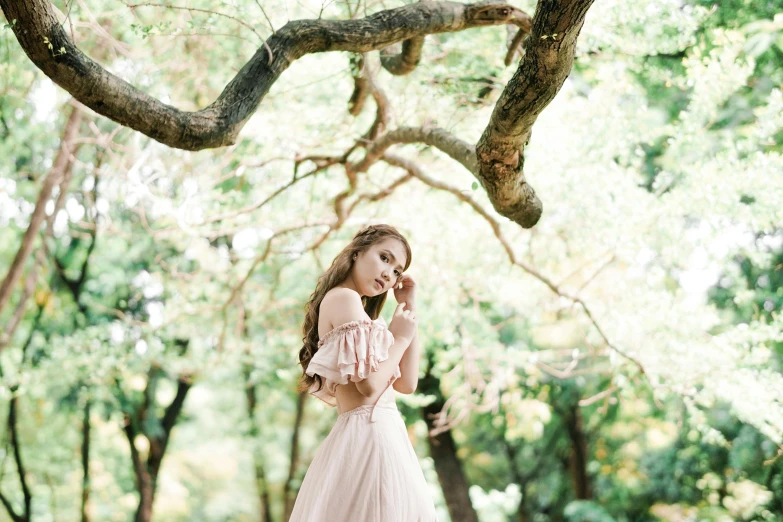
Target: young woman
[365,470]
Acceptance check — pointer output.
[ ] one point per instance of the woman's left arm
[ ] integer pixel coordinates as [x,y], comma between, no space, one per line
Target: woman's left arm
[405,292]
[409,368]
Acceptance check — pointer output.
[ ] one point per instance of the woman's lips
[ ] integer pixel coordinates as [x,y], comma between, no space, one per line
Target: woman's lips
[380,286]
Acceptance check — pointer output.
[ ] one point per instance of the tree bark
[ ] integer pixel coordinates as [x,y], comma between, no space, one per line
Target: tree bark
[549,56]
[443,451]
[55,176]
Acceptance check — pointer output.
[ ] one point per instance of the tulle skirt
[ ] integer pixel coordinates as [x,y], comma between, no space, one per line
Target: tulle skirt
[365,472]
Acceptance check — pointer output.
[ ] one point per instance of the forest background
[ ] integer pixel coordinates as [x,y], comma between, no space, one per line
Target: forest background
[620,360]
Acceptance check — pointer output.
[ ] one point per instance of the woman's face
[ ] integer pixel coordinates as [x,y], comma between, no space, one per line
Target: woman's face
[378,268]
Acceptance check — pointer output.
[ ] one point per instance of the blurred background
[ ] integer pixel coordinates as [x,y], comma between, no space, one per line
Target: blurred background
[621,361]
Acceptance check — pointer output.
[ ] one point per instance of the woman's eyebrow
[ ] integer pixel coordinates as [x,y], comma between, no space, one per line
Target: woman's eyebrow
[393,258]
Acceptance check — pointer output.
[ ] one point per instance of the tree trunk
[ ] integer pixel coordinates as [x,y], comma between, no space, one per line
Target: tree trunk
[146,486]
[86,461]
[516,475]
[578,460]
[147,472]
[262,486]
[287,497]
[443,451]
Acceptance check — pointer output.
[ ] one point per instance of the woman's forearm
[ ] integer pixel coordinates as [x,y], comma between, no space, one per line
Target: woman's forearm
[409,367]
[377,381]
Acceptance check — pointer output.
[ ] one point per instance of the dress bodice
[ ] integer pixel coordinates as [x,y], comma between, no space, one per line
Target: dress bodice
[350,352]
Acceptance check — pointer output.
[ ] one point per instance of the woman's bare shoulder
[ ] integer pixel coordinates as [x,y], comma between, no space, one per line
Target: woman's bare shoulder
[341,305]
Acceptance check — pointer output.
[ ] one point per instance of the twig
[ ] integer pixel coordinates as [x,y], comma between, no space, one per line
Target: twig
[598,396]
[217,13]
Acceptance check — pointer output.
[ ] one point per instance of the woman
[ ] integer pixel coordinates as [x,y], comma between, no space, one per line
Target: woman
[366,469]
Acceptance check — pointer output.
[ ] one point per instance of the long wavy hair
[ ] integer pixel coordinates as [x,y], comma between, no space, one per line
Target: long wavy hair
[336,274]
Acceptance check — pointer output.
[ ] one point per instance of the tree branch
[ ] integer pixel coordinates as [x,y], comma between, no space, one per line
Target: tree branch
[382,104]
[441,139]
[360,85]
[173,410]
[47,44]
[10,509]
[549,55]
[29,288]
[407,60]
[20,469]
[75,286]
[54,177]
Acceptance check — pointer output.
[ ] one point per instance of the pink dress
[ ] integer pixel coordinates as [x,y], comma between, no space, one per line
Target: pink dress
[365,470]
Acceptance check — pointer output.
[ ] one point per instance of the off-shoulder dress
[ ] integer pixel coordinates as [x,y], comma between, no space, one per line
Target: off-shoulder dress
[366,469]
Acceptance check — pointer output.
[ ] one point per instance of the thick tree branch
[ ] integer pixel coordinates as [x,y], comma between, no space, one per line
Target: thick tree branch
[549,55]
[405,61]
[47,44]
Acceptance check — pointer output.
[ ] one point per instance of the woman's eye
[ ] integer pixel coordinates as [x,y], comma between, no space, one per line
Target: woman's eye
[383,256]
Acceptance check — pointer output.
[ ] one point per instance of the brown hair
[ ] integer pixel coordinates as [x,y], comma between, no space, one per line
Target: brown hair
[336,274]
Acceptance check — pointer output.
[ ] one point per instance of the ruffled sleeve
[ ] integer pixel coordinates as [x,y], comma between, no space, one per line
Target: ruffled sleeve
[350,351]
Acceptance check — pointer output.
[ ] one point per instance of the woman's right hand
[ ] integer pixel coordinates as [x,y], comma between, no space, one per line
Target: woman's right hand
[404,323]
